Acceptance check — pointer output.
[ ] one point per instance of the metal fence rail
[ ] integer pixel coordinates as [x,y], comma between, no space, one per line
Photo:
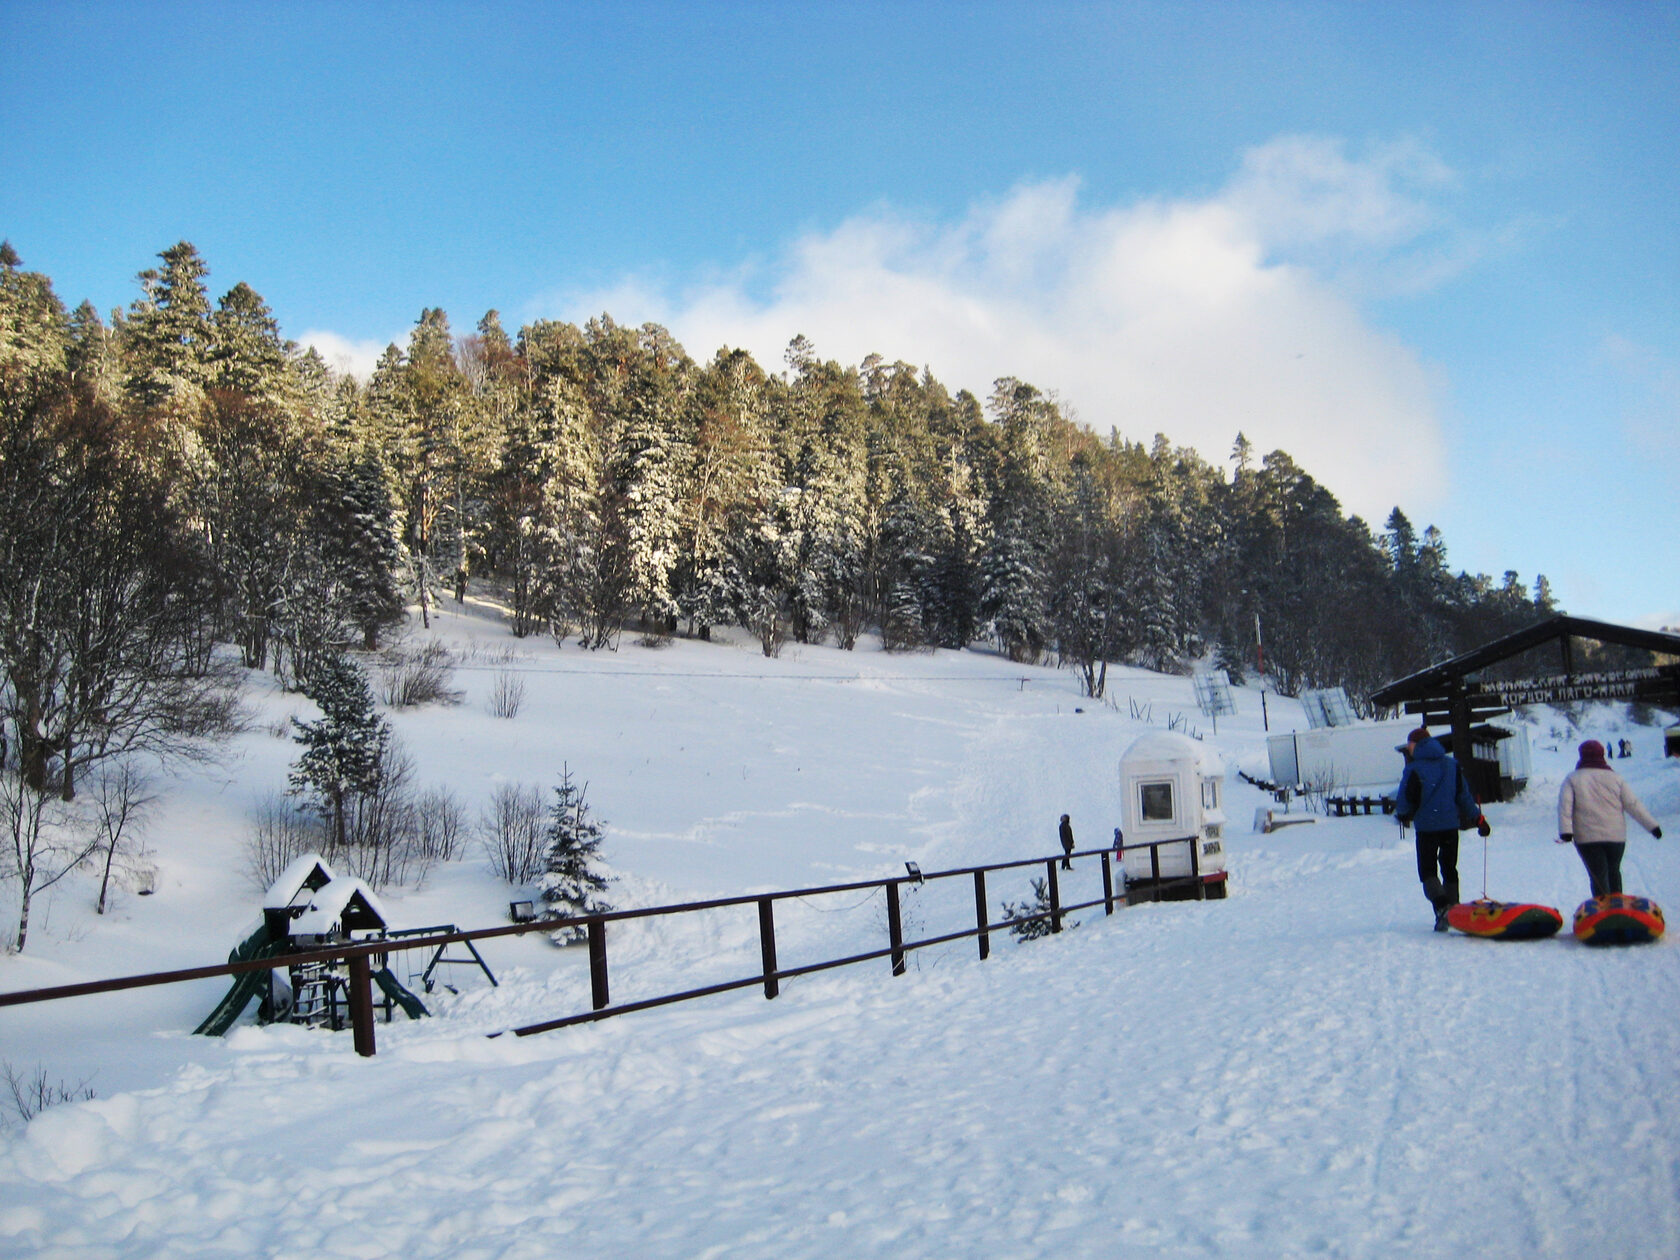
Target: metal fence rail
[358,956]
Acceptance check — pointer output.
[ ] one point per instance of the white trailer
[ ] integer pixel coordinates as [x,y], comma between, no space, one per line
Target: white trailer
[1362,759]
[1172,789]
[1366,759]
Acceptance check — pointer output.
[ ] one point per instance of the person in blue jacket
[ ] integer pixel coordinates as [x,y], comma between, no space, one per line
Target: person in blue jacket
[1435,797]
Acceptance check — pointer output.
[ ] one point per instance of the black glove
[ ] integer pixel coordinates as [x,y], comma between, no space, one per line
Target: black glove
[1656,833]
[1565,837]
[1483,828]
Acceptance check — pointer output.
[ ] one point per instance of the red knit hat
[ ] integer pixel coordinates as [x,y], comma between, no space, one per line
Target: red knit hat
[1592,754]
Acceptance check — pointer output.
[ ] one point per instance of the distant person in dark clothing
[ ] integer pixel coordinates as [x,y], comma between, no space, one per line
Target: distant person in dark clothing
[1593,805]
[1067,843]
[1435,797]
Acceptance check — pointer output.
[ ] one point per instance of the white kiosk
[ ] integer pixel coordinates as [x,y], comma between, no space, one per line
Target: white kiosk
[1172,789]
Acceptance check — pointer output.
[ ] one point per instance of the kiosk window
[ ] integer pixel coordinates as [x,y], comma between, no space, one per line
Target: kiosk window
[1157,801]
[1210,793]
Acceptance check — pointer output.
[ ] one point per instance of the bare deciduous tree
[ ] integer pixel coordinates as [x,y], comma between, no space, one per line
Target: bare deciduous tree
[43,844]
[121,801]
[511,832]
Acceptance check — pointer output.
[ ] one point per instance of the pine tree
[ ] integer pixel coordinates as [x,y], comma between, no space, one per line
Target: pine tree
[1013,570]
[246,354]
[651,470]
[824,469]
[169,334]
[761,558]
[580,577]
[365,547]
[250,495]
[92,355]
[344,751]
[729,450]
[570,883]
[907,573]
[425,396]
[1029,920]
[962,507]
[516,502]
[1085,604]
[34,333]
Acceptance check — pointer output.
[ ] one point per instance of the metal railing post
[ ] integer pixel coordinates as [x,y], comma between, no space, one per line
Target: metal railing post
[1108,884]
[1196,867]
[1055,896]
[767,945]
[598,963]
[981,915]
[361,1005]
[1155,871]
[895,929]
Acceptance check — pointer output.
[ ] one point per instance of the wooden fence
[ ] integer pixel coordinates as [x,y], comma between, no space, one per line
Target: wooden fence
[357,956]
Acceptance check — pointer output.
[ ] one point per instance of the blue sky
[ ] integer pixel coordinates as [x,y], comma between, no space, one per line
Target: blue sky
[1428,249]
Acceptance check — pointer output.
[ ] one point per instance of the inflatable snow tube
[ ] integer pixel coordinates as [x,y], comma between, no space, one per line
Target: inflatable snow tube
[1618,919]
[1505,920]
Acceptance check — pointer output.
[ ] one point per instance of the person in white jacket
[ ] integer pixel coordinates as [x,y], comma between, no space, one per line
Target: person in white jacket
[1592,805]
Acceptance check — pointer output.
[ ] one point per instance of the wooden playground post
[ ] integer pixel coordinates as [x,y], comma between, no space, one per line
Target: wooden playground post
[361,1004]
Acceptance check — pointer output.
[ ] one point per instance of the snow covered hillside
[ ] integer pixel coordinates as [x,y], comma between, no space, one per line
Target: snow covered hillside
[1304,1068]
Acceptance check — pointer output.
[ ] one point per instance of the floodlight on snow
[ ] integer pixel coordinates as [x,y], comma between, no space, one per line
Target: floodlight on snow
[915,871]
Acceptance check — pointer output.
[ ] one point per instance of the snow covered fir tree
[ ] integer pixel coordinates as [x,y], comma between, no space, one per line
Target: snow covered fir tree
[344,751]
[1030,918]
[571,885]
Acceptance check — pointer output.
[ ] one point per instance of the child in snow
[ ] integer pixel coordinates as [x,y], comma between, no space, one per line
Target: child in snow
[1591,806]
[1435,795]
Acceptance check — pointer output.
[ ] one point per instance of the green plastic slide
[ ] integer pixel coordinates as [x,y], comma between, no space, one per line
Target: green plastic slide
[246,985]
[412,1006]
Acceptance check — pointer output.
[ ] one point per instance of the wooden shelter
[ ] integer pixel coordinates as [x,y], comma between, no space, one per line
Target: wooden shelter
[1466,691]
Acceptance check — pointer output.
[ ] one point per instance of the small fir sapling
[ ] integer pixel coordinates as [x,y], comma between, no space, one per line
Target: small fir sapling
[1023,917]
[570,884]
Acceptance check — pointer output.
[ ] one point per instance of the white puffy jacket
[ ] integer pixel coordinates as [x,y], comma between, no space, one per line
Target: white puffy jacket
[1591,805]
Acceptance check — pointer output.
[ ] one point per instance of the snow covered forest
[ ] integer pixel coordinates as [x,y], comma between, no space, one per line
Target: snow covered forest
[609,482]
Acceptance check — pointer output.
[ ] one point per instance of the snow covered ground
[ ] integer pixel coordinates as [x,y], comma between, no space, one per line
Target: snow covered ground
[1304,1068]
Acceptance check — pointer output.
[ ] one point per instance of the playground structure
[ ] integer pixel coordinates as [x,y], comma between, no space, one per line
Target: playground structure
[306,910]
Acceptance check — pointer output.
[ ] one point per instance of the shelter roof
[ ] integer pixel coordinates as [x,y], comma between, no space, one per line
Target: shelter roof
[306,872]
[1432,682]
[345,902]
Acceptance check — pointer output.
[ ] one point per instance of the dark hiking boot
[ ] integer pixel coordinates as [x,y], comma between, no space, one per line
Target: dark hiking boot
[1441,918]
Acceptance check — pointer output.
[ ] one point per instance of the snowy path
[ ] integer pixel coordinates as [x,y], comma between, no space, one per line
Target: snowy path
[1303,1069]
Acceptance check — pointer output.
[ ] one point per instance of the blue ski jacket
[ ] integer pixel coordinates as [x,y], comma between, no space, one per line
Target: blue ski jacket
[1434,794]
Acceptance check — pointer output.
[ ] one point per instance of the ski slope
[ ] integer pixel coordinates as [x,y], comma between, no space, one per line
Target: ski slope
[1304,1068]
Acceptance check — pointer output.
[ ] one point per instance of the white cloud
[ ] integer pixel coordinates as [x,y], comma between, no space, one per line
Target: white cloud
[344,355]
[1194,318]
[1306,190]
